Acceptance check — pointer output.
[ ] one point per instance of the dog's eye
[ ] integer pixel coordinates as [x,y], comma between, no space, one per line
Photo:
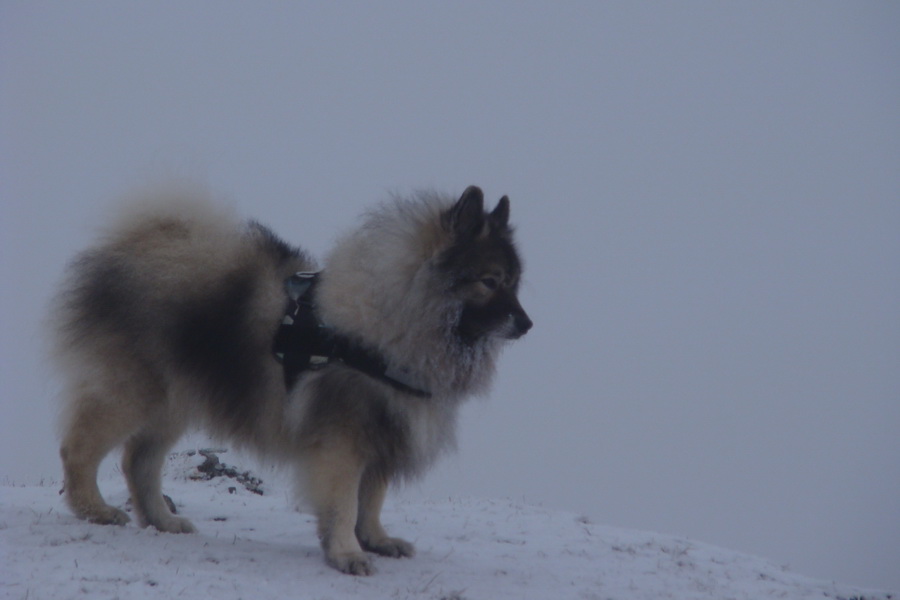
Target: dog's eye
[490,283]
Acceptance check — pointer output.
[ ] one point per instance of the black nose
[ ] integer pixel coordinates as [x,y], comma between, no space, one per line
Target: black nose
[522,323]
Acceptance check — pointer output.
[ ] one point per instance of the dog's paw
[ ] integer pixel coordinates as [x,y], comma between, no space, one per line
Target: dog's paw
[392,547]
[175,525]
[109,515]
[351,563]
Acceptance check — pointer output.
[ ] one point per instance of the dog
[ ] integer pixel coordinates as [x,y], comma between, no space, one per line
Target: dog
[351,375]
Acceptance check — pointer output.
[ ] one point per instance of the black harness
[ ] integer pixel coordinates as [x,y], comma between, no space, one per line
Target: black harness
[304,343]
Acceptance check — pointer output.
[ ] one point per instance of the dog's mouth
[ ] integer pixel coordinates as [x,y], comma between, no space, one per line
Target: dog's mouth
[516,326]
[475,323]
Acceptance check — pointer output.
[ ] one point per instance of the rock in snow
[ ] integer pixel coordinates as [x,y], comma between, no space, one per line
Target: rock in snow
[254,546]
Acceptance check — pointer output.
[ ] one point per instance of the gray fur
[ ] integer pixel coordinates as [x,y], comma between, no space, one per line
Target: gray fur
[168,323]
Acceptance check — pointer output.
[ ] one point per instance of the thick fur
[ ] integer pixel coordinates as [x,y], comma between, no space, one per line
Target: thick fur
[168,323]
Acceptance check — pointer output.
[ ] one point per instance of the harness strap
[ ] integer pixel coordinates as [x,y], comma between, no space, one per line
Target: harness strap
[304,343]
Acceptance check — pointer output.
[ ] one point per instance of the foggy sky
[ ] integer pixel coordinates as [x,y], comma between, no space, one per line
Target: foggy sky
[707,198]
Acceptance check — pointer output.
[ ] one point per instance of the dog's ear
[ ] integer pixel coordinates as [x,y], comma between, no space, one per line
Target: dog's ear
[466,218]
[500,215]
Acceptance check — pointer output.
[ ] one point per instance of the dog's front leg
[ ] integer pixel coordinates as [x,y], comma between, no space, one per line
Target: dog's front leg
[335,472]
[369,530]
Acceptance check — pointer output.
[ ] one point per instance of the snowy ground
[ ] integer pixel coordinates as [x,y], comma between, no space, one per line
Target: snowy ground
[256,547]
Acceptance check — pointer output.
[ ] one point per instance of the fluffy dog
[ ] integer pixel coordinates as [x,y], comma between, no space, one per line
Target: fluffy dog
[184,316]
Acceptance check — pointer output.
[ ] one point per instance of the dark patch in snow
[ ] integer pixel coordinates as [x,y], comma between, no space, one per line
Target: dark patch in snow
[212,467]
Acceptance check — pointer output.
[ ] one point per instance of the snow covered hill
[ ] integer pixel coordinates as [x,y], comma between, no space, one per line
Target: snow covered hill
[255,546]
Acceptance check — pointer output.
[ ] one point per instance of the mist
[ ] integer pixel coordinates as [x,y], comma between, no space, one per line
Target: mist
[706,196]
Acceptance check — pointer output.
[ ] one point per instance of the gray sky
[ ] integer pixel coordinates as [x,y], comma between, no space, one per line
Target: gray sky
[707,197]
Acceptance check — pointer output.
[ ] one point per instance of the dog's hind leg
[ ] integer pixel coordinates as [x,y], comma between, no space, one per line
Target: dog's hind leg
[142,462]
[333,477]
[93,429]
[369,530]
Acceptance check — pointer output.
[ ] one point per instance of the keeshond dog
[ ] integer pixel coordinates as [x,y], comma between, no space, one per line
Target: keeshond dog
[351,375]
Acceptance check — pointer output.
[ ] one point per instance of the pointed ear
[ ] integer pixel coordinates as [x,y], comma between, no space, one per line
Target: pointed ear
[466,218]
[500,215]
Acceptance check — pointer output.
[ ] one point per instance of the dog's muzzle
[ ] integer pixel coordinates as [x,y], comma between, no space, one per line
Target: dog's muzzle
[518,325]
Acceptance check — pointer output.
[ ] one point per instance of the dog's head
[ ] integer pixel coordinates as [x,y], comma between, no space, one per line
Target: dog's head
[483,269]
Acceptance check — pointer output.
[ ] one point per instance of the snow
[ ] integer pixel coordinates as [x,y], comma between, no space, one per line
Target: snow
[256,546]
